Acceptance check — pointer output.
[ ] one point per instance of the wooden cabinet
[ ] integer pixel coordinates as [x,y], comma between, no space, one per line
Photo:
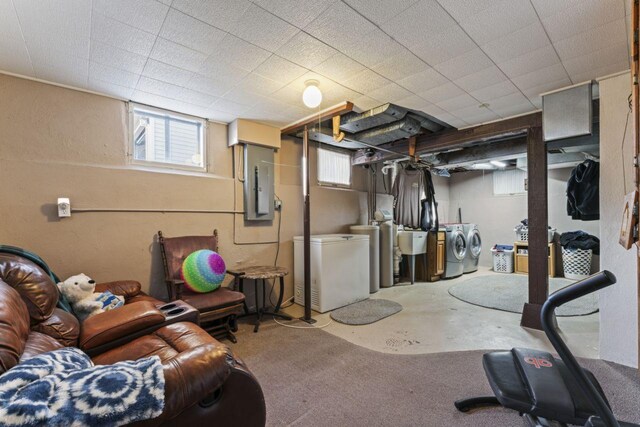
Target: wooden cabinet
[521,249]
[436,255]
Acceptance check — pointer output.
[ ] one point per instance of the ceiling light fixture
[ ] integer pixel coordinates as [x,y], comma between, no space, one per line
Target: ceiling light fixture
[312,97]
[498,163]
[483,166]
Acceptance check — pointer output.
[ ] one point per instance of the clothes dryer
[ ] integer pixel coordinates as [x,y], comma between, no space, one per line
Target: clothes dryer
[474,248]
[456,249]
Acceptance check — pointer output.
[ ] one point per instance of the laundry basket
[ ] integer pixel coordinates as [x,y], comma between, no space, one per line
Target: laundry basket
[576,263]
[522,234]
[502,258]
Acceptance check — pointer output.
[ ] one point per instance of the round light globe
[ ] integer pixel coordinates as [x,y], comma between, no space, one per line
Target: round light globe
[312,97]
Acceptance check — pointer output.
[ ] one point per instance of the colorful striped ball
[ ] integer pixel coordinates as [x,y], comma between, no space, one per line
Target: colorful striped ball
[203,271]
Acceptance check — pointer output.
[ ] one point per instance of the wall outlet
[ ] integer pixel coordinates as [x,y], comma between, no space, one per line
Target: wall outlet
[64,207]
[277,204]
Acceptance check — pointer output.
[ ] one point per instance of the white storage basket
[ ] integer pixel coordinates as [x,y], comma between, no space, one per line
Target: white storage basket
[576,263]
[502,260]
[522,235]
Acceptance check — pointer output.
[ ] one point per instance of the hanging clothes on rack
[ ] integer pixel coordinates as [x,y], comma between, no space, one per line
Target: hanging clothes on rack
[407,191]
[429,206]
[583,195]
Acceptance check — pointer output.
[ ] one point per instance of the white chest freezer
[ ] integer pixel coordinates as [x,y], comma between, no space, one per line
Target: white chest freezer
[339,270]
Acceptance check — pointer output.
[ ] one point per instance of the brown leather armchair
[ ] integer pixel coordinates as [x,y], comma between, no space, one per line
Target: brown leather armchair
[204,381]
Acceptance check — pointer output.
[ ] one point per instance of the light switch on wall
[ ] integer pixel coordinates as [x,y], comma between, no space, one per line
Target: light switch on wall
[64,207]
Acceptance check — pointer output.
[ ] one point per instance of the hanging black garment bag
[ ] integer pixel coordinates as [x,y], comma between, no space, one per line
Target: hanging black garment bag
[429,205]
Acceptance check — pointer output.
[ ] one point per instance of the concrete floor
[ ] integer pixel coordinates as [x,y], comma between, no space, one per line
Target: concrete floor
[433,321]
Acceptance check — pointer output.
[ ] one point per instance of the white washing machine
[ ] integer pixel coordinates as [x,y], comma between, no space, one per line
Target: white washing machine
[456,249]
[474,248]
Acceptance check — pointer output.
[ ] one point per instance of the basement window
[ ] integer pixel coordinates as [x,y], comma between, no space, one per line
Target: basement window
[334,168]
[509,182]
[166,139]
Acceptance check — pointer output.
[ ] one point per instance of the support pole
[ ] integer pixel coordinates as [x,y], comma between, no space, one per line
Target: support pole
[307,227]
[538,213]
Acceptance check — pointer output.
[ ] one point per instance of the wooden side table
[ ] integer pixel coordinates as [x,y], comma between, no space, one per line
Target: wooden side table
[261,273]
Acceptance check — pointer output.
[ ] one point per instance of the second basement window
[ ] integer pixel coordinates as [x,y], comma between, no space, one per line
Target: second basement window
[334,168]
[167,139]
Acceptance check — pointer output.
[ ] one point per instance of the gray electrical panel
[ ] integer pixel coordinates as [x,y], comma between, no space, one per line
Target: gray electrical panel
[258,183]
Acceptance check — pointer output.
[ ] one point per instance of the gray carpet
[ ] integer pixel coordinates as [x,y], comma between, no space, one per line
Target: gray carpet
[509,292]
[365,312]
[312,378]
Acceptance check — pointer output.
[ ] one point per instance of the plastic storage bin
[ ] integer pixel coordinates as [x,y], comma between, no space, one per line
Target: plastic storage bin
[522,235]
[502,258]
[576,263]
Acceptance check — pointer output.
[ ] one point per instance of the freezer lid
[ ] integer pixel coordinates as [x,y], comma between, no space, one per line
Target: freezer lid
[333,238]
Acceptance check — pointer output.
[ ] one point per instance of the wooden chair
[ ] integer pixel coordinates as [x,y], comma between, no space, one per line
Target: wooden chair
[219,309]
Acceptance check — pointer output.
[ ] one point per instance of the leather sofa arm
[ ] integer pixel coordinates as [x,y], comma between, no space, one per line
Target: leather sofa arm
[112,325]
[126,288]
[62,326]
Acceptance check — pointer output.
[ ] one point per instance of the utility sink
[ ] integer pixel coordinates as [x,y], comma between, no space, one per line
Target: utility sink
[412,242]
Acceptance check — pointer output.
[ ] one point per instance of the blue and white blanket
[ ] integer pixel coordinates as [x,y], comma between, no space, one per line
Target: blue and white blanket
[64,388]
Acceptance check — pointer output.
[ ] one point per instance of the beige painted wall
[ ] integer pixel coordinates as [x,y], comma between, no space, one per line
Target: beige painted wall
[619,303]
[496,216]
[60,142]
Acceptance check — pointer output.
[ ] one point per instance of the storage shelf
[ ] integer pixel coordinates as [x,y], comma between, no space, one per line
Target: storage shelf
[522,260]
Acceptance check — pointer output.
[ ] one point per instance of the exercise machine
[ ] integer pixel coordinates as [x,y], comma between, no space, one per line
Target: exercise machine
[547,391]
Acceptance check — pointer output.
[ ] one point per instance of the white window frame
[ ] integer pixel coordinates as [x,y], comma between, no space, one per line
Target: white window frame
[328,183]
[166,165]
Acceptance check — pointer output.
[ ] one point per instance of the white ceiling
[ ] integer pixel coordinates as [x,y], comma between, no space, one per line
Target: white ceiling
[464,62]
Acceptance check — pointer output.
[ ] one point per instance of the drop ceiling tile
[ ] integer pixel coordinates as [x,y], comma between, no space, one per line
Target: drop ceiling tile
[230,107]
[290,94]
[222,14]
[145,15]
[601,37]
[423,81]
[339,68]
[463,65]
[175,54]
[587,15]
[190,32]
[110,89]
[300,15]
[166,73]
[222,71]
[206,85]
[481,79]
[263,29]
[441,93]
[58,68]
[373,48]
[605,70]
[9,23]
[462,101]
[306,51]
[156,87]
[511,105]
[518,43]
[366,81]
[533,93]
[498,90]
[529,62]
[461,10]
[363,103]
[122,36]
[119,58]
[240,53]
[439,113]
[156,100]
[502,18]
[389,93]
[243,97]
[474,114]
[544,75]
[14,57]
[258,84]
[443,46]
[418,23]
[113,75]
[401,65]
[547,8]
[380,11]
[195,98]
[454,121]
[339,26]
[63,25]
[279,70]
[413,101]
[612,54]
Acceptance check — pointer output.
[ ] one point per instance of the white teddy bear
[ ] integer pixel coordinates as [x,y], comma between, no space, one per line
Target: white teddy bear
[79,291]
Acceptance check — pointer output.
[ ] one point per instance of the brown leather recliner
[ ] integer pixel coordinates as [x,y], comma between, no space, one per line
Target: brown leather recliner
[204,381]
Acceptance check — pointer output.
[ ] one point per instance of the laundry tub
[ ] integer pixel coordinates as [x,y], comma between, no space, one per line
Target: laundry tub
[339,270]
